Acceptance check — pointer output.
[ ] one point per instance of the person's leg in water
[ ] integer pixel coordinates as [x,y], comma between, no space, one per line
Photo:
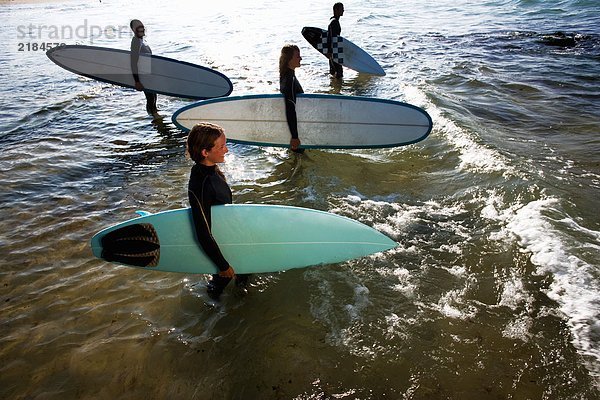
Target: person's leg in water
[151,103]
[241,281]
[216,285]
[336,70]
[332,70]
[154,107]
[339,71]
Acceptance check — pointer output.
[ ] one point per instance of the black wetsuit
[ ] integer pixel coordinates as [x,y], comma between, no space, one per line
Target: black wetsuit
[138,46]
[207,187]
[290,87]
[334,29]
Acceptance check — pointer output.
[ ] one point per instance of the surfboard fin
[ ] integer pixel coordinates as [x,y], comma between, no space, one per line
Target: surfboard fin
[135,244]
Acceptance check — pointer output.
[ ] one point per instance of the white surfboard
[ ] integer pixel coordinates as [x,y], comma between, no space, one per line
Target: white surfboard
[158,74]
[324,121]
[343,51]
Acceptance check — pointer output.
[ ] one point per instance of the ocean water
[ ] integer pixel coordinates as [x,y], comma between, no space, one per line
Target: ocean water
[493,292]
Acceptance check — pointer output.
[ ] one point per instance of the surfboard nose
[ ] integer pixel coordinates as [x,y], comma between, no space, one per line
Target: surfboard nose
[311,34]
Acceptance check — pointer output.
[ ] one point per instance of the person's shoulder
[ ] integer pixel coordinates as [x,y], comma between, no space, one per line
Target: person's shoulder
[200,180]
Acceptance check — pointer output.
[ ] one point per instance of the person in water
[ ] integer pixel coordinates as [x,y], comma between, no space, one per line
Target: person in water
[289,86]
[139,46]
[206,146]
[334,29]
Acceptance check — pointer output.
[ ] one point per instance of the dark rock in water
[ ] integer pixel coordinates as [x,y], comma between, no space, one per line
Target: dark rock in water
[559,39]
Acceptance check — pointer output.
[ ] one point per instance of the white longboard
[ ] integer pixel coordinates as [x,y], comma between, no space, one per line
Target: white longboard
[324,121]
[158,74]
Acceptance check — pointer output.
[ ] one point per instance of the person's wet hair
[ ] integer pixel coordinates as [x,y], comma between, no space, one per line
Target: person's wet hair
[287,52]
[202,137]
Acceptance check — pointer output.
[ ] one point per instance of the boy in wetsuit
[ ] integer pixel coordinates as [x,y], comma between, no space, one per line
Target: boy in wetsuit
[138,46]
[334,29]
[206,145]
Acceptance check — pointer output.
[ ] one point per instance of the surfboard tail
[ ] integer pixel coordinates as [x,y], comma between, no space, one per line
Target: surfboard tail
[135,244]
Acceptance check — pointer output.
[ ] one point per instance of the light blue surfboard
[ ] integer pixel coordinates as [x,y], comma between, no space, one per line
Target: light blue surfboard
[253,238]
[324,121]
